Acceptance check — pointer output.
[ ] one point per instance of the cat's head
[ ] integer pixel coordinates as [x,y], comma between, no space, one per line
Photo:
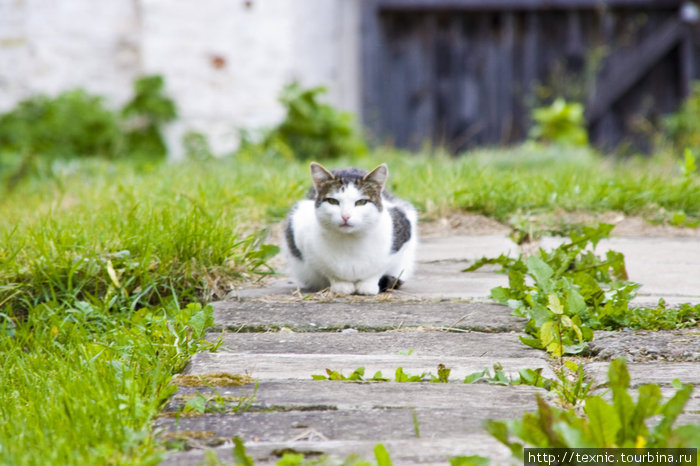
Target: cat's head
[348,200]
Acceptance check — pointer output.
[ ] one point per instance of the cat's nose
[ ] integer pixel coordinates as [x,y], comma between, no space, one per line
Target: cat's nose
[345,217]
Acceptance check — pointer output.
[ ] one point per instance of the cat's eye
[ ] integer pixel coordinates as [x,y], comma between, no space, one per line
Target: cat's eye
[331,201]
[361,202]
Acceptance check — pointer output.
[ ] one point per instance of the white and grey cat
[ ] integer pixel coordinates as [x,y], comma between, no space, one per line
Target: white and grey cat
[350,233]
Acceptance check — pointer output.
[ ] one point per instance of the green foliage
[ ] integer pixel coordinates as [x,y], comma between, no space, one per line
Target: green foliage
[572,292]
[553,180]
[473,460]
[145,115]
[313,130]
[570,392]
[152,239]
[73,124]
[197,147]
[401,376]
[239,454]
[81,386]
[621,422]
[381,455]
[96,270]
[218,404]
[532,377]
[358,375]
[683,127]
[561,123]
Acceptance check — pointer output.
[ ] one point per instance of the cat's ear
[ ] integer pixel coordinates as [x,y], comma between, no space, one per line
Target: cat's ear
[378,175]
[319,174]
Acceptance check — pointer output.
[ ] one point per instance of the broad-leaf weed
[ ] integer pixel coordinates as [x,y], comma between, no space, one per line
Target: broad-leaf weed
[621,422]
[568,292]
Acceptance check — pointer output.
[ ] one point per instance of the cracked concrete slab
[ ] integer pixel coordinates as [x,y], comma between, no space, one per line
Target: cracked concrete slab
[282,337]
[666,267]
[430,281]
[288,395]
[368,315]
[407,343]
[647,345]
[465,248]
[303,366]
[373,424]
[404,452]
[662,373]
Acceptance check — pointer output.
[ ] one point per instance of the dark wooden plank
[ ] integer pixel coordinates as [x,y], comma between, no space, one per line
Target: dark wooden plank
[687,65]
[531,59]
[506,77]
[424,125]
[625,69]
[397,80]
[491,5]
[371,61]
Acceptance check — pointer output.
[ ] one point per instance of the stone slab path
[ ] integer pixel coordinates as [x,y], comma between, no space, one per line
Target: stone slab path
[281,337]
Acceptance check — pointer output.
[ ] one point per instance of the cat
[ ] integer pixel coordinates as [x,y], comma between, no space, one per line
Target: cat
[350,234]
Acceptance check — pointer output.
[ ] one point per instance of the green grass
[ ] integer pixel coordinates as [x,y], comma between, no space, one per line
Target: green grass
[99,262]
[81,387]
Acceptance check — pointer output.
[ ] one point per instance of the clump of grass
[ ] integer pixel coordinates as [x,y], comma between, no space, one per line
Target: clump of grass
[126,240]
[508,183]
[94,264]
[81,387]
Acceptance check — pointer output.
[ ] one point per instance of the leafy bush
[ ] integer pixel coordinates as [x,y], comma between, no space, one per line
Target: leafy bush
[560,123]
[146,113]
[314,130]
[74,124]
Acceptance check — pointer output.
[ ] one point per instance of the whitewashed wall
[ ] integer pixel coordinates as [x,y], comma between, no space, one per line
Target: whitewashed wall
[224,61]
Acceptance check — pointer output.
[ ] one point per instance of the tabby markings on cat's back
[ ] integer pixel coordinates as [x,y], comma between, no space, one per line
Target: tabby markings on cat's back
[401,228]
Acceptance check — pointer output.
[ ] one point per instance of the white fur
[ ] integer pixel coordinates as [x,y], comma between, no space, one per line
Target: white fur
[349,255]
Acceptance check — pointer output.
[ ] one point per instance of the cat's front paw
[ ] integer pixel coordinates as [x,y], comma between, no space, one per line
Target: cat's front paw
[368,287]
[342,287]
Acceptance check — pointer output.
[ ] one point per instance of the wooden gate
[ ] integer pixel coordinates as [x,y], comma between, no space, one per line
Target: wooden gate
[461,73]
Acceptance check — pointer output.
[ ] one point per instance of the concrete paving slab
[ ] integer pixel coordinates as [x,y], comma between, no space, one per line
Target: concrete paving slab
[289,395]
[645,345]
[666,267]
[438,272]
[374,424]
[465,248]
[403,452]
[443,280]
[291,411]
[303,366]
[662,373]
[417,343]
[369,315]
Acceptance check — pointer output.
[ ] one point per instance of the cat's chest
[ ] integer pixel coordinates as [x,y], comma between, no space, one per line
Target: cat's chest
[352,258]
[359,252]
[355,248]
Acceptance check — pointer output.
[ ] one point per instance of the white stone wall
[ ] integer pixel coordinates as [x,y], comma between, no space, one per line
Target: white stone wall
[224,61]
